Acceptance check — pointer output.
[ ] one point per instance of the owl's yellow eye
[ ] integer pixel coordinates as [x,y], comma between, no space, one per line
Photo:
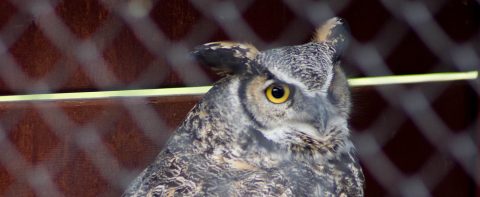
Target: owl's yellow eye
[277,93]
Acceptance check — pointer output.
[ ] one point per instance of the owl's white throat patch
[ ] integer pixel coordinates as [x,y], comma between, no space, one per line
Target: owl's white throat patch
[322,144]
[288,129]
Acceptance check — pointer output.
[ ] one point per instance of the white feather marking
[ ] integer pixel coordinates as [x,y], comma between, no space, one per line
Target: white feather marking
[328,80]
[287,79]
[286,130]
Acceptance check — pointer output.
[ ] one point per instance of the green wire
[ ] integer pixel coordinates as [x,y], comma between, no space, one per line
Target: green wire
[355,82]
[414,78]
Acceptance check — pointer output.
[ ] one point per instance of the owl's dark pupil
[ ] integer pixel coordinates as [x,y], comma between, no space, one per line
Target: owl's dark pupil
[277,92]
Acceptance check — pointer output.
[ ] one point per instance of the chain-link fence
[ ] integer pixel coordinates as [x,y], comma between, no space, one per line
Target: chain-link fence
[416,139]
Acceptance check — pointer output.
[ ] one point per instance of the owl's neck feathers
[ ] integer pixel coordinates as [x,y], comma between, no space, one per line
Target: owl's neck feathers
[303,141]
[335,143]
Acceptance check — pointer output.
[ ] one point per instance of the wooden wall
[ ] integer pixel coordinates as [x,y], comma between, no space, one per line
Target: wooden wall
[33,138]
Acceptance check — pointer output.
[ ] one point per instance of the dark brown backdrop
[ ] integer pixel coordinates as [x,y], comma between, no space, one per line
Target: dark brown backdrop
[26,124]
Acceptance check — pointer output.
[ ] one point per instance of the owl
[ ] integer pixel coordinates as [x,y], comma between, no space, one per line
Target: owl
[275,125]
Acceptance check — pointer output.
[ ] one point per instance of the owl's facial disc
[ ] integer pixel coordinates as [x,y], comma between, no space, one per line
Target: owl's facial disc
[266,100]
[288,115]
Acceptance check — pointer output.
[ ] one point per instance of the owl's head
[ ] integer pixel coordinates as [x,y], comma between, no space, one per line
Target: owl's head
[296,96]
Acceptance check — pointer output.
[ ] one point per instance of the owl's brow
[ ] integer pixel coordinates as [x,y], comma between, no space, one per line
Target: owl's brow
[273,80]
[282,78]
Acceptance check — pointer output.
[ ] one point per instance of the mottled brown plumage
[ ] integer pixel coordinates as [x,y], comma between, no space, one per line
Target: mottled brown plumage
[276,125]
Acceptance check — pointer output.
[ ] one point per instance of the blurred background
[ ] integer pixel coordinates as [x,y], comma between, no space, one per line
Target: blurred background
[415,139]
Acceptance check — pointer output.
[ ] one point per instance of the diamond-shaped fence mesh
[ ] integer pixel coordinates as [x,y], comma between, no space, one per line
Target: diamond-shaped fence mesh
[415,139]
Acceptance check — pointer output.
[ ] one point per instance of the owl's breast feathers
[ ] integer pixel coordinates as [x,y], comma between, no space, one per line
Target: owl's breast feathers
[201,161]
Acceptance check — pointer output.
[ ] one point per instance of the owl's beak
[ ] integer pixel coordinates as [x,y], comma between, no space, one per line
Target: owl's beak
[322,113]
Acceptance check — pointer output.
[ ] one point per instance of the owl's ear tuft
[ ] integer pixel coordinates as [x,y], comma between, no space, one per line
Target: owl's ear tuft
[226,57]
[334,32]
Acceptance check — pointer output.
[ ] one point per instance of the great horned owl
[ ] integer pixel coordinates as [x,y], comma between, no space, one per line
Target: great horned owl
[276,125]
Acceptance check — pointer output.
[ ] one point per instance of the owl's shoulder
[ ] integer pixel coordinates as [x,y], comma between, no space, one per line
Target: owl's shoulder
[165,177]
[198,175]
